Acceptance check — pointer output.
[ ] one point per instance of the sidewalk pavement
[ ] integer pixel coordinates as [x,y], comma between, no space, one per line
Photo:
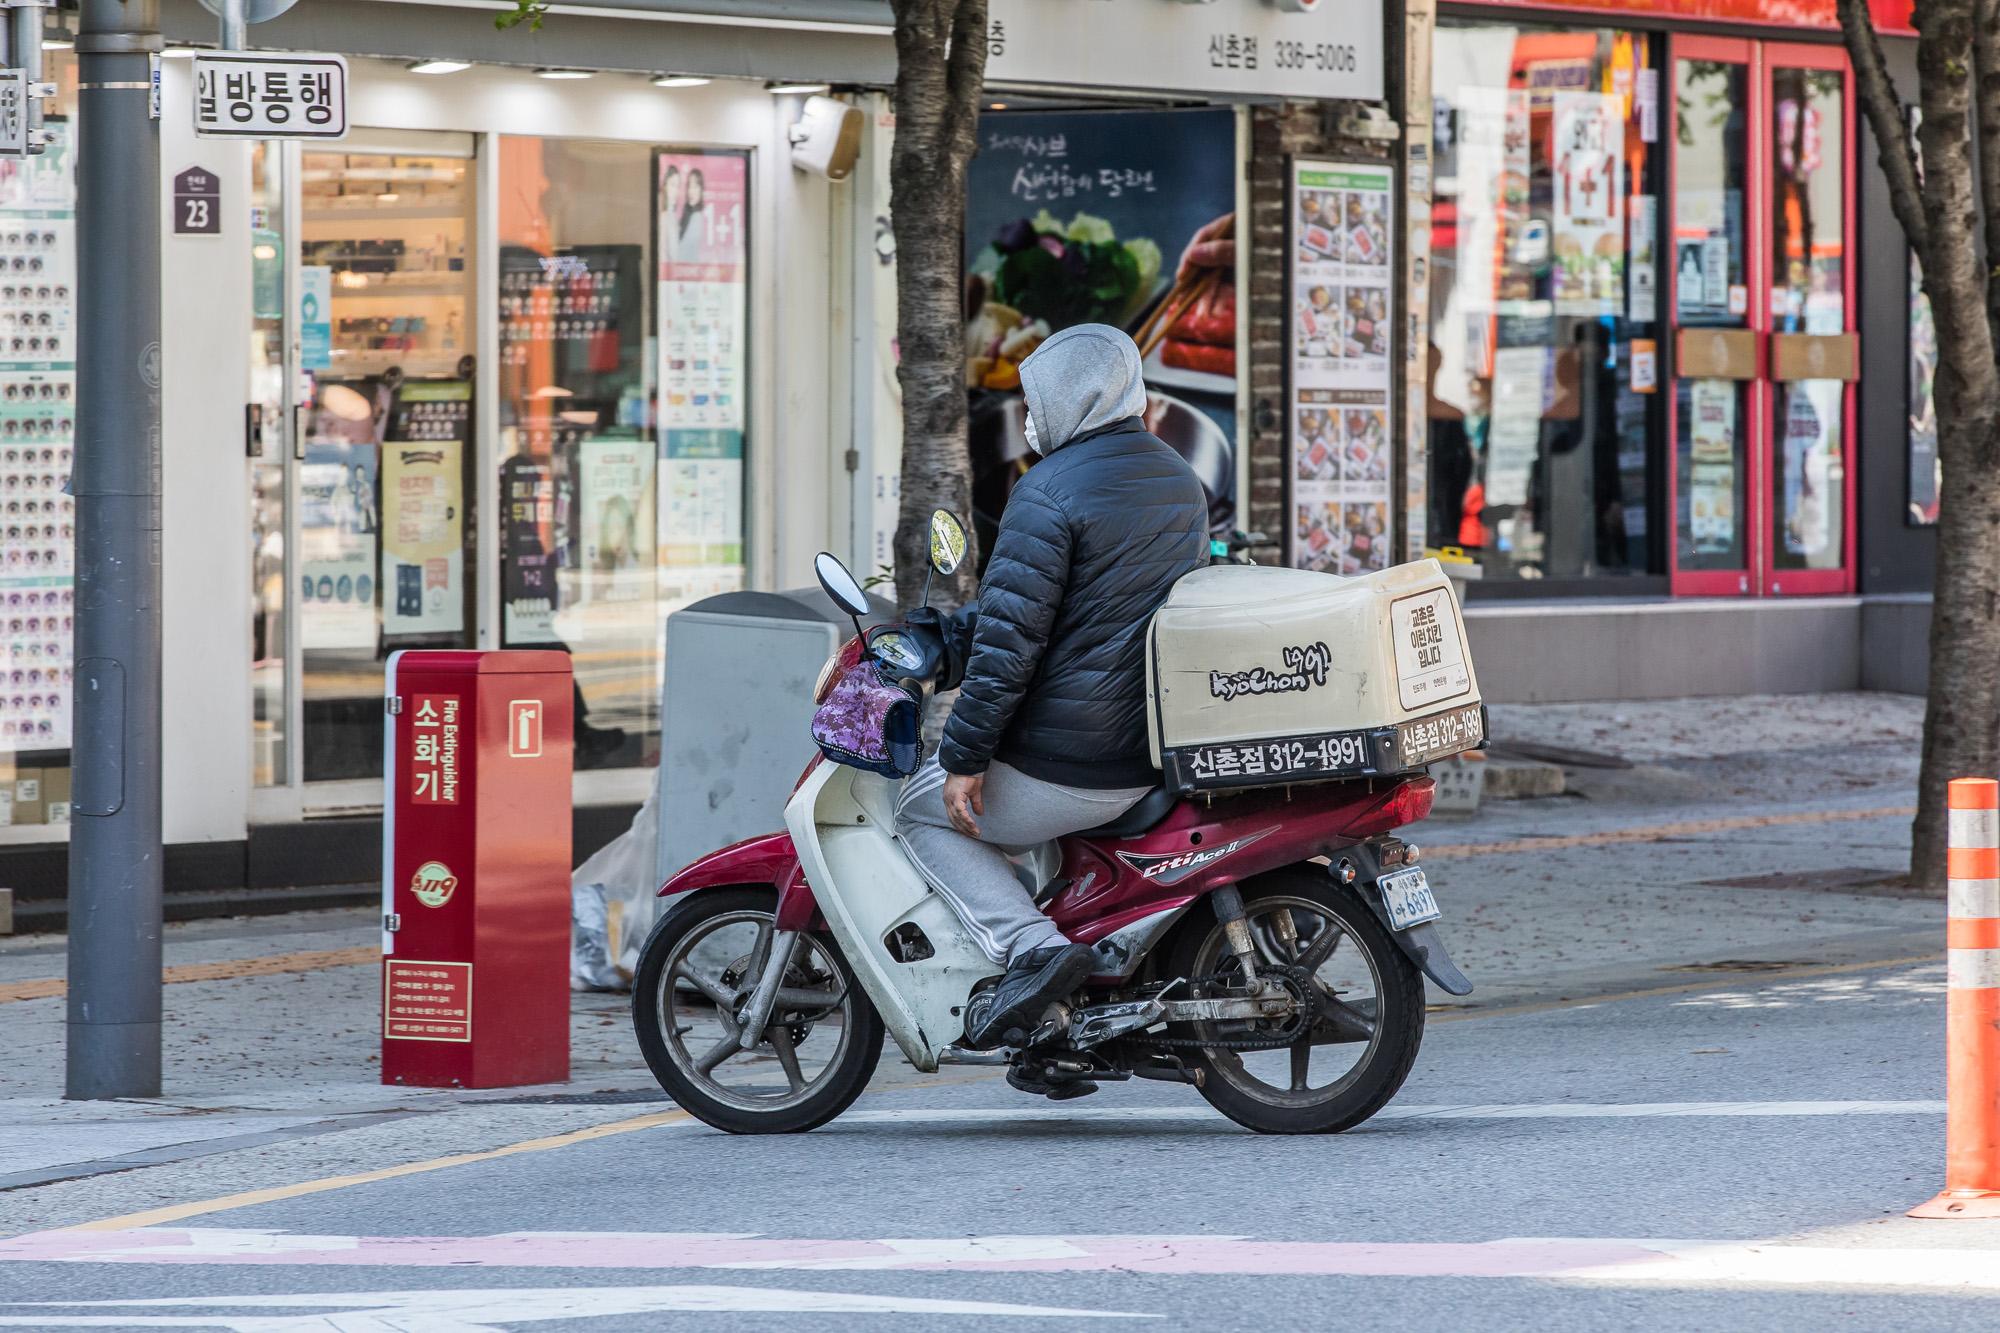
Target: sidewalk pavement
[1791,869]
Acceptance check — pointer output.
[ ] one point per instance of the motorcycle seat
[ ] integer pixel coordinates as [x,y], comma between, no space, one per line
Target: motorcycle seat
[1143,817]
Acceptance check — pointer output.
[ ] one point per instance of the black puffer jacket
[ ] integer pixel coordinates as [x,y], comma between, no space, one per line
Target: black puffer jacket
[1092,539]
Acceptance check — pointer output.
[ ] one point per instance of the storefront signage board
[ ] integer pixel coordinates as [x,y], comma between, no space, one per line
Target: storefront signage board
[1891,16]
[1341,230]
[1233,46]
[260,96]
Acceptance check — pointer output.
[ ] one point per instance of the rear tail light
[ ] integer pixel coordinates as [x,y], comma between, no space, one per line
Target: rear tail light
[1408,803]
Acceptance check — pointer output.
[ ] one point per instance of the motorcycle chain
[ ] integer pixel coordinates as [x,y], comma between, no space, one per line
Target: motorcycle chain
[1299,1024]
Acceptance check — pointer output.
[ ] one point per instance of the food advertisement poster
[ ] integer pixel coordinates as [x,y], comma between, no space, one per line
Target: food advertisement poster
[1113,217]
[1342,230]
[1712,466]
[703,243]
[1587,156]
[338,528]
[423,538]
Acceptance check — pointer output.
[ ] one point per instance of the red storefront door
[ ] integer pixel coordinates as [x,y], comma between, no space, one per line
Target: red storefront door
[1760,290]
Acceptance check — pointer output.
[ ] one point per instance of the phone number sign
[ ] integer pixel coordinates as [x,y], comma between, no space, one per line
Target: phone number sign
[1320,48]
[258,96]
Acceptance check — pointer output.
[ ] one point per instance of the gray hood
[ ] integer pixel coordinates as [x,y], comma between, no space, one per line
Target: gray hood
[1080,379]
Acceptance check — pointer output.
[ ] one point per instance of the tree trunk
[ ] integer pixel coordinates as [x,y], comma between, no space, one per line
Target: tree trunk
[940,69]
[1962,714]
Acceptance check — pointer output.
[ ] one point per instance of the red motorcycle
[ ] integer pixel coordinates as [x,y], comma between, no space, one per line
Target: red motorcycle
[1266,944]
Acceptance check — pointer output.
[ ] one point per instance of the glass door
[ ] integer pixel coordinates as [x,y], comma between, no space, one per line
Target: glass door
[1714,265]
[1762,296]
[1813,355]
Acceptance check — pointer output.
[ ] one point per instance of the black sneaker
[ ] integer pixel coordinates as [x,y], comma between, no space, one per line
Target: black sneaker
[1035,981]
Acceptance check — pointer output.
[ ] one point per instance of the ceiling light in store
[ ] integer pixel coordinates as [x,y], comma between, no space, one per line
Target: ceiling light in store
[440,66]
[579,418]
[680,81]
[563,73]
[554,391]
[780,89]
[386,198]
[181,52]
[54,45]
[263,252]
[996,106]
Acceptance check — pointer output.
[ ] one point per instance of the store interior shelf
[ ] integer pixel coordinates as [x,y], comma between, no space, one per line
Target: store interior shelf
[382,213]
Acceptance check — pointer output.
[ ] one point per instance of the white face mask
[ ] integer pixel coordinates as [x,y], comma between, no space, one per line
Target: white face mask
[1028,429]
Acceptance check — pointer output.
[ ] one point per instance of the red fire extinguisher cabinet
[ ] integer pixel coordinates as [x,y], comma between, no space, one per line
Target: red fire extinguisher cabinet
[475,869]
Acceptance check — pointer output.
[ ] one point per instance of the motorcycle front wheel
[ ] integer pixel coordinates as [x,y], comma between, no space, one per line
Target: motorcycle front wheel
[1368,999]
[696,975]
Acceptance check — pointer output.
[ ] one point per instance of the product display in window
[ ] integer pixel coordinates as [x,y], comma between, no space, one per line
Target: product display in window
[1544,326]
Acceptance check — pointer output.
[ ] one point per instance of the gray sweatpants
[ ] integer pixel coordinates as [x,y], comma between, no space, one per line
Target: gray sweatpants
[973,874]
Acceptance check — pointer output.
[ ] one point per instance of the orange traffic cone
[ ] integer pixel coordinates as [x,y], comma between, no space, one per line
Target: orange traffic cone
[1972,1006]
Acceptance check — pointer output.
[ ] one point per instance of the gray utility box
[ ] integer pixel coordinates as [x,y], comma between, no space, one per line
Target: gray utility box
[736,714]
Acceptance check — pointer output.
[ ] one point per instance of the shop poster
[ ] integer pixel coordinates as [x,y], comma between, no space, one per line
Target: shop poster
[423,537]
[37,447]
[1587,159]
[338,530]
[1342,227]
[617,512]
[1712,466]
[1926,477]
[1125,218]
[703,243]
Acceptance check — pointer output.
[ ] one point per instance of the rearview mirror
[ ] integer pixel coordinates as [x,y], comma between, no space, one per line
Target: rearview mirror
[840,585]
[947,542]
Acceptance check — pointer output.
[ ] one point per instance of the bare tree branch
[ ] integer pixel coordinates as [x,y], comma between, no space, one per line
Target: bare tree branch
[1885,116]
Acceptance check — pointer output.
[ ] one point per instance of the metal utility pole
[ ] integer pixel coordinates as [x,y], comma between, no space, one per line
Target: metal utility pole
[114,856]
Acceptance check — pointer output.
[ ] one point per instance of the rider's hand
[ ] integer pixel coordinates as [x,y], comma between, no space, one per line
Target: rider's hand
[960,792]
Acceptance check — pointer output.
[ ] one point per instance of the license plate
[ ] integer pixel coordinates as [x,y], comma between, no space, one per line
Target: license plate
[1407,895]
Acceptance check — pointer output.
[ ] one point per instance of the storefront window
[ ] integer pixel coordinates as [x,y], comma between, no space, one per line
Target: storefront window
[1808,296]
[384,308]
[621,412]
[270,757]
[1543,412]
[37,446]
[1711,291]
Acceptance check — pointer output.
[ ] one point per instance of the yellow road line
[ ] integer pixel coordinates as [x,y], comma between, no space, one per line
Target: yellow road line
[1736,983]
[158,1216]
[1660,832]
[310,961]
[176,1212]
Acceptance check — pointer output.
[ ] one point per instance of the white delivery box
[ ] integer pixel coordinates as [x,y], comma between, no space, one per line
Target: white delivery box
[1258,676]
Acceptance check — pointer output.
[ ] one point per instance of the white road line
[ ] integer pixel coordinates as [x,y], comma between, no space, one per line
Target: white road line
[489,1311]
[1803,1266]
[1497,1111]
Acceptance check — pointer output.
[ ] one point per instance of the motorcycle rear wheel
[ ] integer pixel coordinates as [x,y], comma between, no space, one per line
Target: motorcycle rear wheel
[1369,996]
[696,974]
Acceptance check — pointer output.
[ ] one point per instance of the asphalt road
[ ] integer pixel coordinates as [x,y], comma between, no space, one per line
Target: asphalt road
[1504,1189]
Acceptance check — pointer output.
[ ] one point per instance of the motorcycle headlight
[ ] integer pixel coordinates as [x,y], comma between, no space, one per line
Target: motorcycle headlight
[838,665]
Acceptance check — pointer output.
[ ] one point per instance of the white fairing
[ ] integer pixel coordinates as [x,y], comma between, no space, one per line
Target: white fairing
[842,823]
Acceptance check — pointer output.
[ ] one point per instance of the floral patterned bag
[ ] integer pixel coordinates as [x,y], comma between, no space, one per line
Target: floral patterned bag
[869,723]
